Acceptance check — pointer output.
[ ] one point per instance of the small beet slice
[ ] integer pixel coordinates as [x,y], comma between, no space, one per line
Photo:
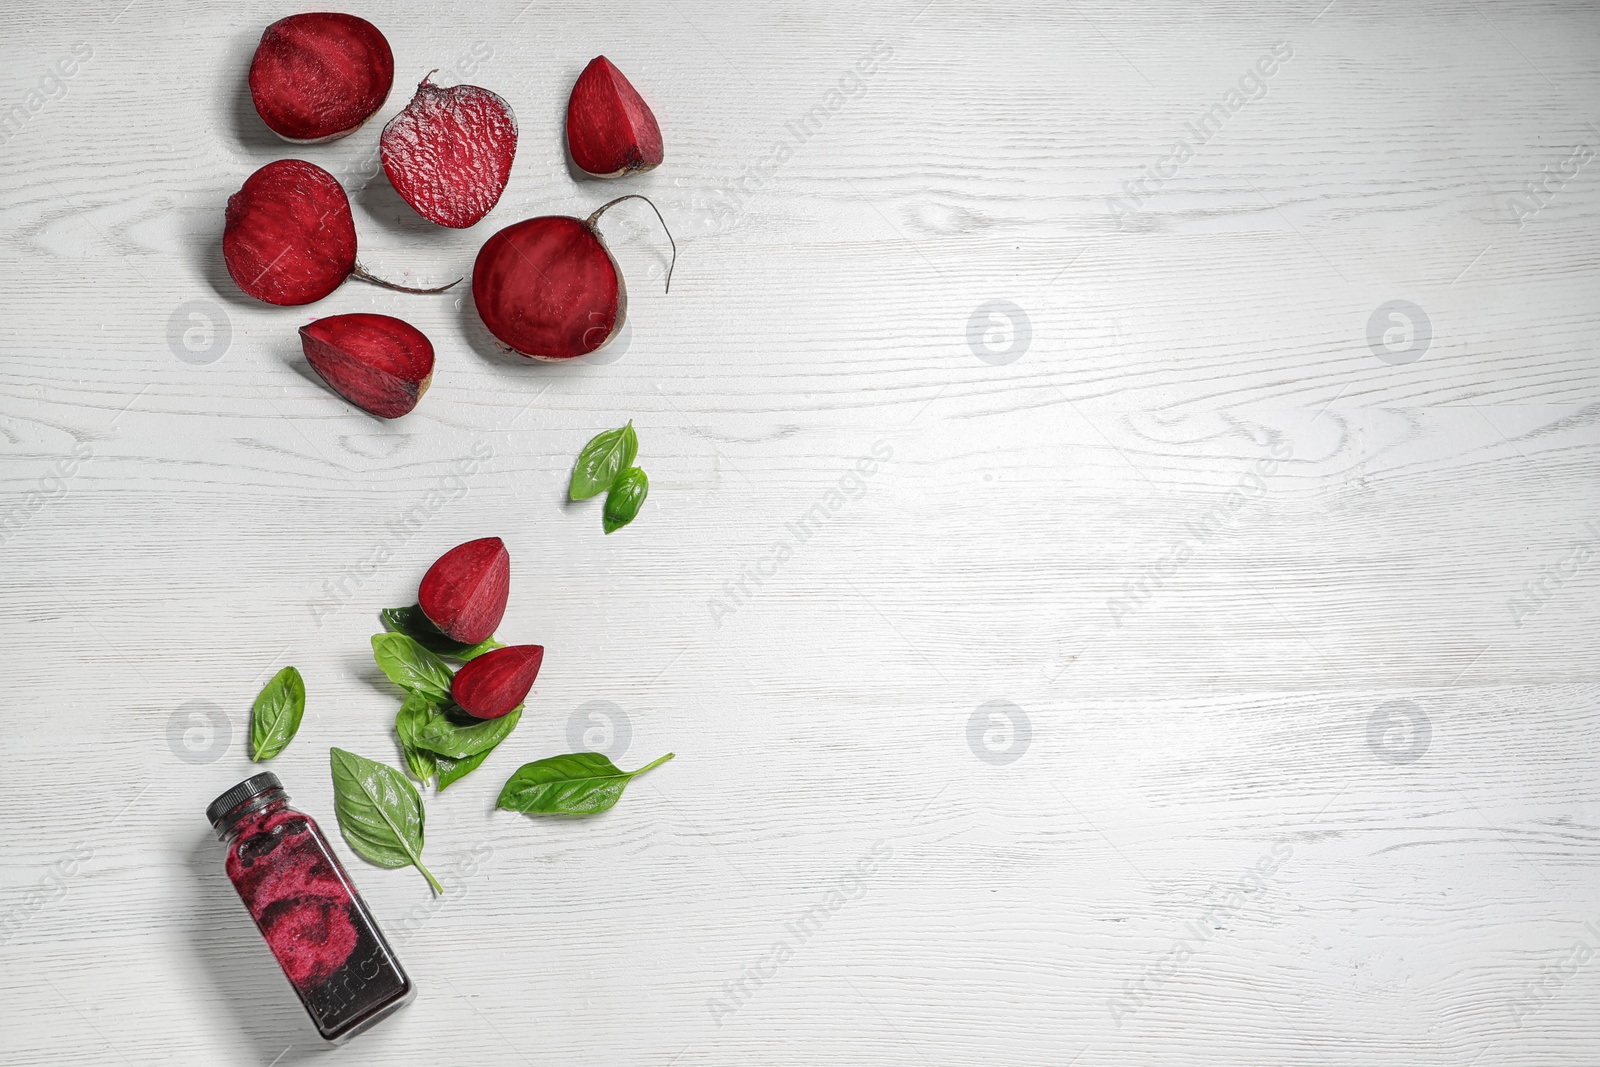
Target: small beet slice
[611,131]
[492,684]
[547,287]
[449,153]
[289,239]
[320,75]
[464,592]
[379,363]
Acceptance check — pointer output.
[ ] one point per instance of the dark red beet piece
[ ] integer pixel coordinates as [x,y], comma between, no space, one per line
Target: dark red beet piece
[380,364]
[289,239]
[492,684]
[464,592]
[548,288]
[611,131]
[319,76]
[449,153]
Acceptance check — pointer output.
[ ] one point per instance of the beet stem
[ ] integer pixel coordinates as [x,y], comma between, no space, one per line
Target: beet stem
[635,196]
[360,272]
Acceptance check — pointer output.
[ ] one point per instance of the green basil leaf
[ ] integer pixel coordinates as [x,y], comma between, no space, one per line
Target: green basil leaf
[412,667]
[625,499]
[276,714]
[581,783]
[380,813]
[452,771]
[458,736]
[416,712]
[602,459]
[415,625]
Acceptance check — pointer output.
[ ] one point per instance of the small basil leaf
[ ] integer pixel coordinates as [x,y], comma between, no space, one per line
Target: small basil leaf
[459,736]
[415,625]
[380,813]
[625,499]
[581,783]
[417,710]
[412,667]
[452,771]
[276,714]
[601,460]
[422,764]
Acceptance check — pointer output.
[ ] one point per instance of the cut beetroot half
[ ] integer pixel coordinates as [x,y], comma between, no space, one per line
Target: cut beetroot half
[611,131]
[289,239]
[380,364]
[319,76]
[494,683]
[449,153]
[547,288]
[464,592]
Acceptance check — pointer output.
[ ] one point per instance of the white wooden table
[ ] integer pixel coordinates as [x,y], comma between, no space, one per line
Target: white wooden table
[1203,674]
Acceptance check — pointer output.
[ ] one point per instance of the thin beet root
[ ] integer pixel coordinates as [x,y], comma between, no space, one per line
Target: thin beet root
[611,131]
[289,238]
[547,288]
[464,592]
[380,364]
[319,76]
[449,153]
[496,682]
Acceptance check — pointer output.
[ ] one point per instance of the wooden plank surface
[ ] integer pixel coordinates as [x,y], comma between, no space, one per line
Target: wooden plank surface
[1119,575]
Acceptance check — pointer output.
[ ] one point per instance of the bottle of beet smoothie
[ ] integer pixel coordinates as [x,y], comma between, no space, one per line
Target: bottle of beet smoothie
[308,910]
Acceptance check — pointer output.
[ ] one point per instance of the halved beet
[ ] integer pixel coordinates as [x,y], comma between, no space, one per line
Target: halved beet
[449,153]
[379,363]
[547,288]
[611,131]
[496,682]
[289,239]
[464,592]
[319,76]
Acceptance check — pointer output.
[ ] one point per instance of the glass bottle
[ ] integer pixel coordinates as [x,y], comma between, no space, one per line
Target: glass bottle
[308,910]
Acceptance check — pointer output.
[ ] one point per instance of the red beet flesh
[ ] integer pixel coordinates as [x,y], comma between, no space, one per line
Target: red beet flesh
[492,684]
[449,153]
[464,592]
[289,238]
[610,129]
[319,76]
[380,364]
[548,288]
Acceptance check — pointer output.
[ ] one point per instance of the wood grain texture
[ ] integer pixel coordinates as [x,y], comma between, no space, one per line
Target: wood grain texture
[1078,644]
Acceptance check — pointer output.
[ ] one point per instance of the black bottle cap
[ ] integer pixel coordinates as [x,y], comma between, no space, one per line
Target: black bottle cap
[249,789]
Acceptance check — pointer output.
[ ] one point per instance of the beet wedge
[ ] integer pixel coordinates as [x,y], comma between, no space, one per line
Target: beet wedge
[611,131]
[449,153]
[464,592]
[380,364]
[496,682]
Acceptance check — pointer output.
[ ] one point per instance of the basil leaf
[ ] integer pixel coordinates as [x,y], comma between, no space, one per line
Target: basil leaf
[459,736]
[380,813]
[412,667]
[412,716]
[276,714]
[453,770]
[415,625]
[581,783]
[601,460]
[625,499]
